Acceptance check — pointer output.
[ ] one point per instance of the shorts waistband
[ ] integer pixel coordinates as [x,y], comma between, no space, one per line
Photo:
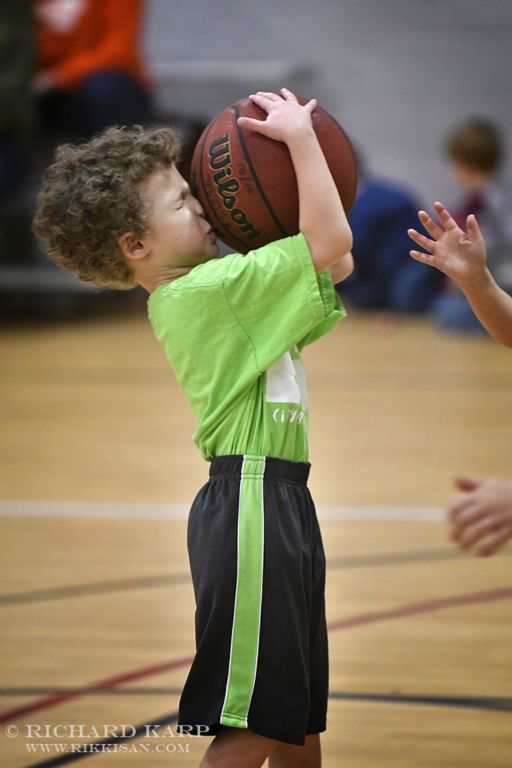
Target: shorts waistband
[295,472]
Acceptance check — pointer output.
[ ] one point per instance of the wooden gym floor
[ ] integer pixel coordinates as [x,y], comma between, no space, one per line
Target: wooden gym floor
[98,469]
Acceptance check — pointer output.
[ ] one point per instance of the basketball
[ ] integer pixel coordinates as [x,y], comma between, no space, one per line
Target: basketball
[246,182]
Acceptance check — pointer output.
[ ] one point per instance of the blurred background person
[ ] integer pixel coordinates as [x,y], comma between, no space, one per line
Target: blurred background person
[90,69]
[384,276]
[16,123]
[17,114]
[476,153]
[70,68]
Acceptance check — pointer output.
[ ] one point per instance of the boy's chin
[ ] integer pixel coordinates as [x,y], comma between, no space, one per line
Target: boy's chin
[212,253]
[195,260]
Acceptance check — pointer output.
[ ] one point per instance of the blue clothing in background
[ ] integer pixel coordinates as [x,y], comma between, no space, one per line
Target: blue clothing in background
[385,276]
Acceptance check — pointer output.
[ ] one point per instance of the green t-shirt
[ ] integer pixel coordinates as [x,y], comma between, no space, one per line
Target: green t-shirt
[232,330]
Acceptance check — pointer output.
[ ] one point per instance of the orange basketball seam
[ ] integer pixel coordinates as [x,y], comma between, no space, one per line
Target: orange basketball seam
[257,182]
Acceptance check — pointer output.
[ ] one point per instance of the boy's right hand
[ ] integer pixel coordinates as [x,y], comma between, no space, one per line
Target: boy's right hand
[286,119]
[459,254]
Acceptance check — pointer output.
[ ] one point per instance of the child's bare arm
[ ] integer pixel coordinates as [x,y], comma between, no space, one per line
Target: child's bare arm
[493,307]
[461,255]
[342,268]
[322,219]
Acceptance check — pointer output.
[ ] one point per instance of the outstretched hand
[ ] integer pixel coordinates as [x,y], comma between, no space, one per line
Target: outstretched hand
[481,517]
[286,118]
[459,254]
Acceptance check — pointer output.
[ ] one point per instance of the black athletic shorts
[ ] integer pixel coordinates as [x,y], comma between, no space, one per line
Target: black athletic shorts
[258,569]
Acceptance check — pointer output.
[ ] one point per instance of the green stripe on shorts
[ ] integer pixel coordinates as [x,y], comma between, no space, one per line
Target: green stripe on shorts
[245,632]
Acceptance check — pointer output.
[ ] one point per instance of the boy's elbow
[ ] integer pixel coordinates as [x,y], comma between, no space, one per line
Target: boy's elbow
[326,248]
[341,241]
[348,242]
[342,268]
[343,244]
[349,264]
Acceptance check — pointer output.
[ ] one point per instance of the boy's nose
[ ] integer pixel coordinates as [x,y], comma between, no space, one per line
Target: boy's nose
[199,208]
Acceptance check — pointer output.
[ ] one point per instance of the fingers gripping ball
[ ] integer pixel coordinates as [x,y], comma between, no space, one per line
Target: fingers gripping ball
[246,182]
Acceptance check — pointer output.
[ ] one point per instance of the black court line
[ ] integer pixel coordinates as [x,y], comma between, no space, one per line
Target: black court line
[402,558]
[90,749]
[150,582]
[495,703]
[100,587]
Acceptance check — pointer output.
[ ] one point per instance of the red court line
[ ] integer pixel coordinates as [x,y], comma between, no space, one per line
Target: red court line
[426,607]
[109,682]
[374,617]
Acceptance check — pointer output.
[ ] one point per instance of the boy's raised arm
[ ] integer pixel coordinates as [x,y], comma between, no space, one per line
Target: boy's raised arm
[322,219]
[342,268]
[461,256]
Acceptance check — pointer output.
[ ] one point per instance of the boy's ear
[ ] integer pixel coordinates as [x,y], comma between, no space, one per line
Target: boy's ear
[132,247]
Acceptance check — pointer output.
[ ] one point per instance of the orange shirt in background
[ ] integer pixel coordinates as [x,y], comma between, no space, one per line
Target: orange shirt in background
[77,38]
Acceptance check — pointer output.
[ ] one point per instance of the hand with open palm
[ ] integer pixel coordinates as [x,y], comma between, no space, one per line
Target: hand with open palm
[460,255]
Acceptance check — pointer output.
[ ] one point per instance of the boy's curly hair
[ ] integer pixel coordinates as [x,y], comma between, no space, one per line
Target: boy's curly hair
[90,197]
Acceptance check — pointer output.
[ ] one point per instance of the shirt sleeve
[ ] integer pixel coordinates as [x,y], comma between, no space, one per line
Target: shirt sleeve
[330,296]
[279,300]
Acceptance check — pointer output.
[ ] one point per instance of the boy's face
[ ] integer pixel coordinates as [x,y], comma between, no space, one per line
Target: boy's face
[470,178]
[179,235]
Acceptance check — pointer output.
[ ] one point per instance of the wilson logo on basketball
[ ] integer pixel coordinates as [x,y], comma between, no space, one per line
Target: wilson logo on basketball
[227,186]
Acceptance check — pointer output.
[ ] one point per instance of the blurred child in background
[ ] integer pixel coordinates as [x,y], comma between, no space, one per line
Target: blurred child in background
[90,69]
[476,153]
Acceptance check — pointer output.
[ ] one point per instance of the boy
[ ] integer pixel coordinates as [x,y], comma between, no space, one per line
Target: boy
[482,514]
[117,211]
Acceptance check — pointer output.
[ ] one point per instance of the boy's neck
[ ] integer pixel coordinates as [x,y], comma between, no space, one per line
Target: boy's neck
[152,282]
